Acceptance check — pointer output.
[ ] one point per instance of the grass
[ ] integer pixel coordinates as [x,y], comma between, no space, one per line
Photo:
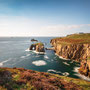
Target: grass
[74,39]
[23,79]
[40,43]
[82,83]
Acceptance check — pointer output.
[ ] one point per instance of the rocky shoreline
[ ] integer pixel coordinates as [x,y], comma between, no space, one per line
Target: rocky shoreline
[38,48]
[73,51]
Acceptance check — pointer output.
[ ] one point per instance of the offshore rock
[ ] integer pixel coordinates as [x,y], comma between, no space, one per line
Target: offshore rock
[38,47]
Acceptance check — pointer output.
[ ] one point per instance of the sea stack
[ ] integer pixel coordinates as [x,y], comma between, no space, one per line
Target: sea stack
[38,47]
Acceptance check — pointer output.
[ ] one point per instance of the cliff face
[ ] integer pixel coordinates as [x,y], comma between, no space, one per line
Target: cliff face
[72,51]
[23,79]
[74,47]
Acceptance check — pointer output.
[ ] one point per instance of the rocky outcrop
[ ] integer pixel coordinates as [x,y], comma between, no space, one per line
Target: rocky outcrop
[38,47]
[32,47]
[73,51]
[85,68]
[33,40]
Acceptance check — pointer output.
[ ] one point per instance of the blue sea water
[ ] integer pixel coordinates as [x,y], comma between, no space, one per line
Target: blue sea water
[14,53]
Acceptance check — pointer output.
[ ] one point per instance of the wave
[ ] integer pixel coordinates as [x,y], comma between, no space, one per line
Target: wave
[28,55]
[65,73]
[46,57]
[39,52]
[66,63]
[27,50]
[55,71]
[61,57]
[52,70]
[1,63]
[39,63]
[23,57]
[80,75]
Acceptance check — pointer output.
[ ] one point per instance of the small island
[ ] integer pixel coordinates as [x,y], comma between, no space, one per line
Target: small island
[34,40]
[38,48]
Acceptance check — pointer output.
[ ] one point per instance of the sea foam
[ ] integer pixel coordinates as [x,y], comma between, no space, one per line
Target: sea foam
[80,75]
[27,50]
[66,63]
[39,63]
[52,70]
[46,57]
[1,63]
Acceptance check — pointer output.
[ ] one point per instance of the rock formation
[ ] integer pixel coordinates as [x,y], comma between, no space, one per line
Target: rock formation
[33,40]
[38,47]
[32,47]
[74,47]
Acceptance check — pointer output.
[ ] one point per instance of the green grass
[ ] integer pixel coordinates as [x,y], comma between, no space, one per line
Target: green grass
[74,39]
[41,44]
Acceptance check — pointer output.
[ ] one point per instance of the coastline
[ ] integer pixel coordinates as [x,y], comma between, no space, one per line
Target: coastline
[80,75]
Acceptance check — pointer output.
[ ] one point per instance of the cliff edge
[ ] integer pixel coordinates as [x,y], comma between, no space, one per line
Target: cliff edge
[74,47]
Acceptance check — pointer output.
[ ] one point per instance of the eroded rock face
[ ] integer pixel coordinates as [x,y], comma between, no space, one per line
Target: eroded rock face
[85,68]
[76,52]
[73,51]
[32,47]
[38,47]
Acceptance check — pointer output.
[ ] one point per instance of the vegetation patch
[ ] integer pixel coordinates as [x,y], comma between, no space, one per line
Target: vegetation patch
[23,79]
[74,39]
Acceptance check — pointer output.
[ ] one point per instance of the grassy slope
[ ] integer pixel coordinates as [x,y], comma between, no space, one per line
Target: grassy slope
[75,39]
[23,79]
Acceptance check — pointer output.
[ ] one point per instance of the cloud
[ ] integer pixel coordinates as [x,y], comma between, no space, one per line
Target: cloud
[24,26]
[17,26]
[65,27]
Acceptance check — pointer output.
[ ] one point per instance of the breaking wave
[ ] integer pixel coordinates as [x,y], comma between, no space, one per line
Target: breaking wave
[57,72]
[27,50]
[66,63]
[1,63]
[52,70]
[46,57]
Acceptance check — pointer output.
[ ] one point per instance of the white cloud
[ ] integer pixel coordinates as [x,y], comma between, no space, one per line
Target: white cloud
[64,27]
[22,26]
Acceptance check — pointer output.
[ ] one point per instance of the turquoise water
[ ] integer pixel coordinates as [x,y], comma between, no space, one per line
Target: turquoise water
[14,53]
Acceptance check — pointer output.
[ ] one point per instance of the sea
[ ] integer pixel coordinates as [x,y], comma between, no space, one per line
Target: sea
[14,52]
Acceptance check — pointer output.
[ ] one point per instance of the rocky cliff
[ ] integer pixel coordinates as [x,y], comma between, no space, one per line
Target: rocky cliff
[23,79]
[74,47]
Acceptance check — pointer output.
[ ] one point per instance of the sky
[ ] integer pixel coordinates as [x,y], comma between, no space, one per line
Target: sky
[44,17]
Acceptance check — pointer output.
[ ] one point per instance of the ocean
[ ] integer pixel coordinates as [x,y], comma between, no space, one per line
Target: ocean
[14,53]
